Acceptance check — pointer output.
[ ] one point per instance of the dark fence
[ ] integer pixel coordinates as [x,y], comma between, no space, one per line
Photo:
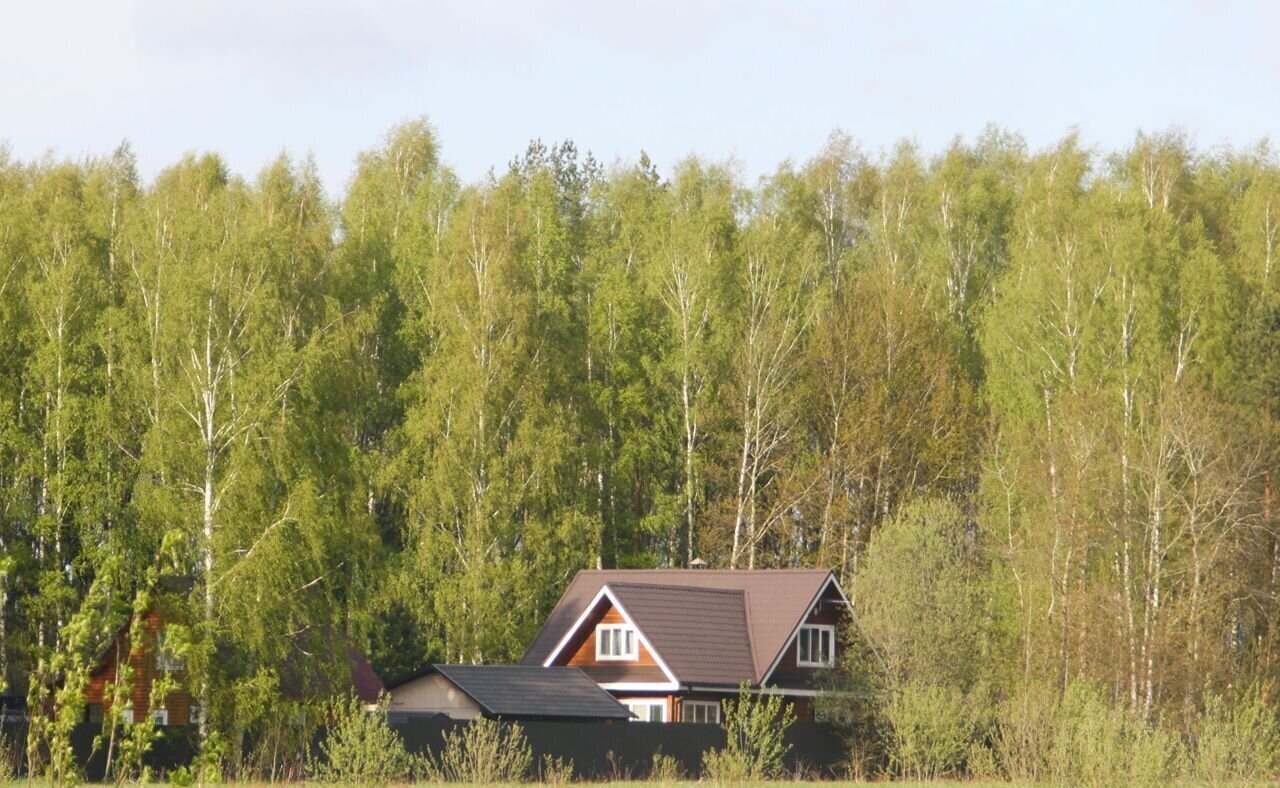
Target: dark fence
[172,747]
[598,750]
[627,749]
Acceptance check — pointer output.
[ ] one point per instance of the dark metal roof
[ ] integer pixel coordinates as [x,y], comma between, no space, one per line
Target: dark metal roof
[696,628]
[523,691]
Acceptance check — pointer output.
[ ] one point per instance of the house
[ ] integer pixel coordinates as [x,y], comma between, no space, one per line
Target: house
[508,692]
[151,659]
[672,644]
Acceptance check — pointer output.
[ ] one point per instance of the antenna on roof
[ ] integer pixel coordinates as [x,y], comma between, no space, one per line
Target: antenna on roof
[698,563]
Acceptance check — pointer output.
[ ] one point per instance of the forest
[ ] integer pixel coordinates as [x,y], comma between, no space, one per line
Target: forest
[1025,403]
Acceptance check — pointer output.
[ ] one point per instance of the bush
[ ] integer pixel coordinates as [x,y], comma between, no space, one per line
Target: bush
[665,769]
[360,747]
[929,730]
[483,751]
[8,760]
[556,771]
[1098,743]
[1236,742]
[1021,735]
[754,750]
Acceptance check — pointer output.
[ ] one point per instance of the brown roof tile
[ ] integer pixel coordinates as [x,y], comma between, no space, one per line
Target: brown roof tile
[701,633]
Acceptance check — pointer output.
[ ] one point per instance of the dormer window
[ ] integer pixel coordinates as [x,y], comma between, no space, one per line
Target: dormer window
[615,642]
[816,646]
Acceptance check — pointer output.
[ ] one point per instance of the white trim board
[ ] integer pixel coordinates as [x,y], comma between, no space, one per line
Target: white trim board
[795,693]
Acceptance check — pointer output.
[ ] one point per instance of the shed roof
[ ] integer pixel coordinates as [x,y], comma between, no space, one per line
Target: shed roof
[529,691]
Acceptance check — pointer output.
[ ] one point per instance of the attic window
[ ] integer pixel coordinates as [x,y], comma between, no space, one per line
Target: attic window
[615,642]
[816,646]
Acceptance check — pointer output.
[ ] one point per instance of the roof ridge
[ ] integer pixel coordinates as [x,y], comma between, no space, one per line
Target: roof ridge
[680,586]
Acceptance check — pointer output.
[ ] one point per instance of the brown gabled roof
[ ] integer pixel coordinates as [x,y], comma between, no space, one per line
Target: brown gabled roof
[697,634]
[700,633]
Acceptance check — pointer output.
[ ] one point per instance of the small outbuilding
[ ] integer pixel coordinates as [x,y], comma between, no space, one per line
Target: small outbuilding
[508,692]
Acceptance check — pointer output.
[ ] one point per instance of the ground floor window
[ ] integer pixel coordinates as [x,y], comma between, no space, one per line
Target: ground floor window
[647,709]
[700,711]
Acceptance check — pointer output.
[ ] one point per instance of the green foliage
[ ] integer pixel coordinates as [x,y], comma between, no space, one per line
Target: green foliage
[929,730]
[9,759]
[755,725]
[555,770]
[1094,743]
[360,747]
[921,598]
[1023,402]
[483,751]
[665,769]
[1237,741]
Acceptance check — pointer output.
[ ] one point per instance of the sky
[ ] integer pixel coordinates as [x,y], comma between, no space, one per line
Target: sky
[752,82]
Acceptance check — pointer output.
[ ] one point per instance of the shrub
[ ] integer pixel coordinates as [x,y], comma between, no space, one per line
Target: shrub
[556,771]
[1098,743]
[665,769]
[1236,742]
[929,729]
[755,725]
[8,760]
[483,751]
[360,747]
[1021,735]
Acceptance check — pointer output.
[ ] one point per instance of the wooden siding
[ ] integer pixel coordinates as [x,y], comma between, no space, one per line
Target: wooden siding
[142,659]
[581,653]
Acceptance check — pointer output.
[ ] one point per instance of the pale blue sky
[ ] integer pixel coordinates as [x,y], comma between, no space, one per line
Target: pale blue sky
[759,82]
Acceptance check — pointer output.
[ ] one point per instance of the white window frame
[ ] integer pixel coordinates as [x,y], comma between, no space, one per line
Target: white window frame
[686,706]
[809,631]
[617,630]
[166,661]
[160,716]
[634,705]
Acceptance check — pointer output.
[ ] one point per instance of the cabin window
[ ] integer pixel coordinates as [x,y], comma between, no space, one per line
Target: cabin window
[647,710]
[126,716]
[816,646]
[160,716]
[615,642]
[700,711]
[93,713]
[166,660]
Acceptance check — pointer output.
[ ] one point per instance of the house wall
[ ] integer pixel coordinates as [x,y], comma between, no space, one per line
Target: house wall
[434,693]
[114,671]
